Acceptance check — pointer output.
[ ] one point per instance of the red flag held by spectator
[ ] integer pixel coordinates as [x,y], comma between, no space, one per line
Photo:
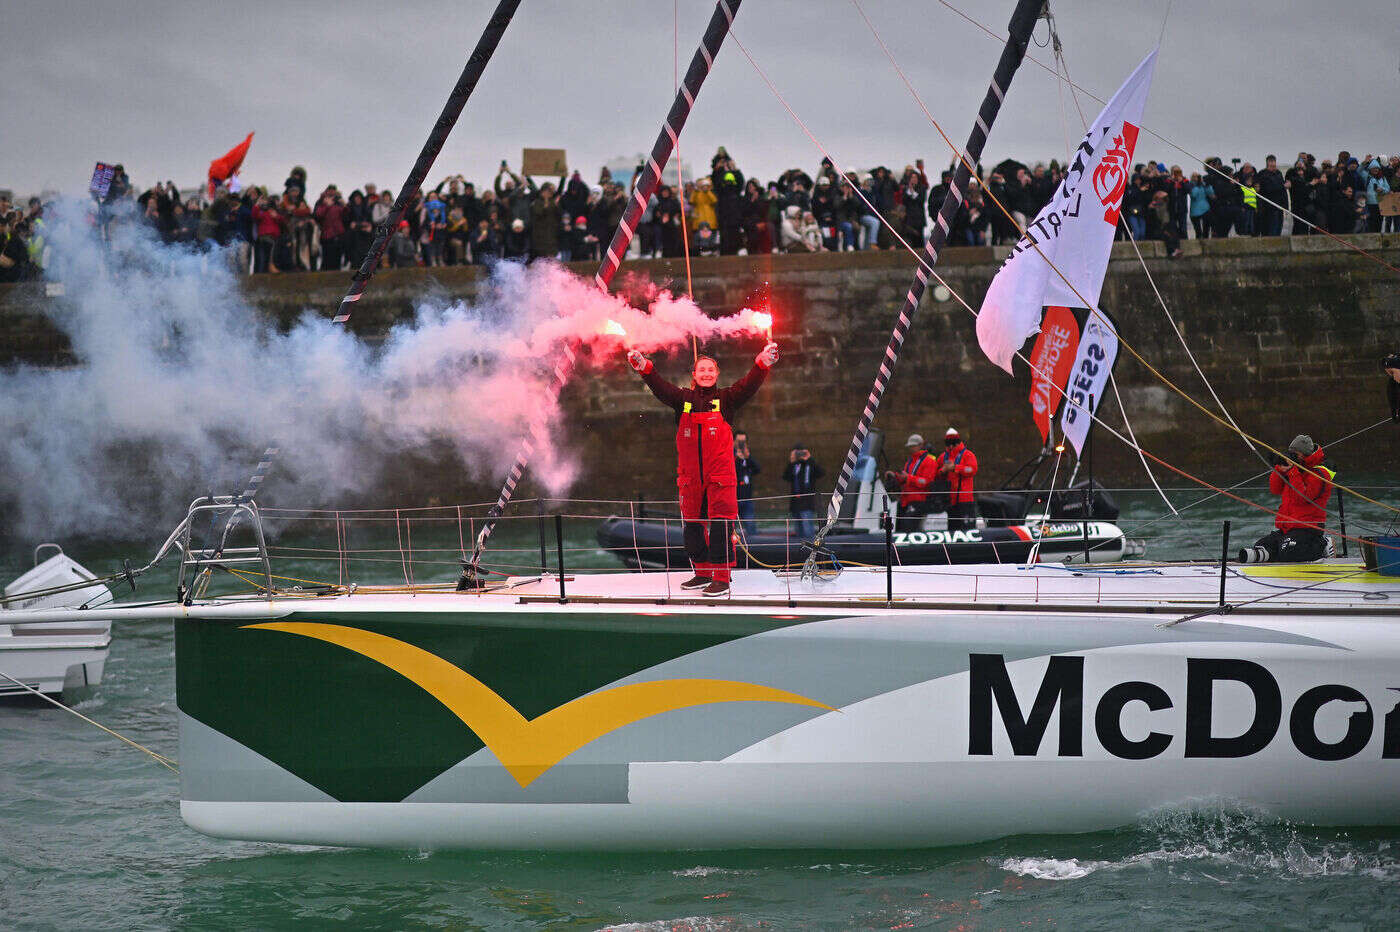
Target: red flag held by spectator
[222,168]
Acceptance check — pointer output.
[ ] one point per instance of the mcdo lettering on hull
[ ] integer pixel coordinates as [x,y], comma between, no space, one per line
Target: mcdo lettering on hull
[1062,688]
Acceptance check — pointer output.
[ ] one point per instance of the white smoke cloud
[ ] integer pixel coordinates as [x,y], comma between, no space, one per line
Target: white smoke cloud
[181,384]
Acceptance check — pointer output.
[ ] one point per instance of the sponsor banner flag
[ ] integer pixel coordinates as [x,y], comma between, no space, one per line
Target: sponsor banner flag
[1098,351]
[1074,231]
[1051,359]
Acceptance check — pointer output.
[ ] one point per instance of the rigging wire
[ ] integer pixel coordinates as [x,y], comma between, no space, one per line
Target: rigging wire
[680,177]
[168,763]
[1061,61]
[1087,304]
[955,294]
[1187,152]
[1060,83]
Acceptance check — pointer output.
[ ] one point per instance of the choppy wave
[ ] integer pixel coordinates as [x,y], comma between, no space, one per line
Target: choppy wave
[686,924]
[1244,842]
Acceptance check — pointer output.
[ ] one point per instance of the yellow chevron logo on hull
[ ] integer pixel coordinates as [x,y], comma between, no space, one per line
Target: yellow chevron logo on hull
[529,747]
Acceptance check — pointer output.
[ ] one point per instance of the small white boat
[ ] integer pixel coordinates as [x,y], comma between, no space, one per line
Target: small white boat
[56,657]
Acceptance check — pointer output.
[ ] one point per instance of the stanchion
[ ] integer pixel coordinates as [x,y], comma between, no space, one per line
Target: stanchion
[888,525]
[1342,516]
[1224,558]
[559,545]
[1084,524]
[539,523]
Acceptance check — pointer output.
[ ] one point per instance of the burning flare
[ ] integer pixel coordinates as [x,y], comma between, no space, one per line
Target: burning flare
[613,328]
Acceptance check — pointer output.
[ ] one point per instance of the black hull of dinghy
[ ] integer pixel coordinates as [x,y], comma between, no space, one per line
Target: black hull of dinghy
[655,543]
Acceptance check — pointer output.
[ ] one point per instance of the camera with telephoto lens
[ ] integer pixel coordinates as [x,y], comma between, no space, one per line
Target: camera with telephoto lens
[1254,555]
[1391,362]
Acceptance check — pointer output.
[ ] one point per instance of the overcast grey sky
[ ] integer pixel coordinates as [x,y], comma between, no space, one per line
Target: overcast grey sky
[349,89]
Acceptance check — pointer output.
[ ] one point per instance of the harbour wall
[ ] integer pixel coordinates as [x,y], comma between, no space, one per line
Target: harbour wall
[1289,332]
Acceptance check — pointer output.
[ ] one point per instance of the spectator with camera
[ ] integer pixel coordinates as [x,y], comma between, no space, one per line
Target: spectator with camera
[801,474]
[912,197]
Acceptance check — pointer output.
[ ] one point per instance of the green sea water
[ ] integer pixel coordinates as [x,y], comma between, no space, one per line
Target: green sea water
[91,837]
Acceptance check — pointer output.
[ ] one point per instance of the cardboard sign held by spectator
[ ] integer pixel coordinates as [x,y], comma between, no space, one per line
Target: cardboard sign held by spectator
[101,183]
[543,162]
[1390,204]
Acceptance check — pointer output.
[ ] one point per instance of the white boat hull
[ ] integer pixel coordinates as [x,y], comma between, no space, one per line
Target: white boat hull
[53,659]
[823,718]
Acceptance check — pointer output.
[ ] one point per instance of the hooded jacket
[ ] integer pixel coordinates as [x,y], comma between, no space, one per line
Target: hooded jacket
[1304,492]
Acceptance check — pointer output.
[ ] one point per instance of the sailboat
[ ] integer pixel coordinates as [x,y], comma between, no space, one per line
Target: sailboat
[857,706]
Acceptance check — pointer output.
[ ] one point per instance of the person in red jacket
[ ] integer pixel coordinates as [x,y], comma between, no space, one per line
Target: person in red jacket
[705,475]
[958,465]
[913,484]
[1304,485]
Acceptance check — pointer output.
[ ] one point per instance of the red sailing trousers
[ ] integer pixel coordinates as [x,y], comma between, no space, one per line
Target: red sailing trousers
[707,484]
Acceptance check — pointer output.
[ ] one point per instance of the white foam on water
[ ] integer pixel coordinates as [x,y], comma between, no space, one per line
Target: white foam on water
[701,871]
[1052,868]
[1223,835]
[686,924]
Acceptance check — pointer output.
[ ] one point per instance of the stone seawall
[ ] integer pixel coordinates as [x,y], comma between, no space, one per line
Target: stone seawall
[1289,331]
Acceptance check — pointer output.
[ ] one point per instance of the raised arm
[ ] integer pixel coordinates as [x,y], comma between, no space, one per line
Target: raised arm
[744,389]
[673,396]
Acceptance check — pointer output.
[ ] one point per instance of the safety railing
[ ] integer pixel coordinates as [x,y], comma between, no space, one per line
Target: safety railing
[228,546]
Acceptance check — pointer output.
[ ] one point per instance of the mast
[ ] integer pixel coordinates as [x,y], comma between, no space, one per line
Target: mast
[1023,21]
[700,65]
[451,111]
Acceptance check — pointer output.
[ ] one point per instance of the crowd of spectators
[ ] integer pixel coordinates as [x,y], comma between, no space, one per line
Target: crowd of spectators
[722,212]
[21,240]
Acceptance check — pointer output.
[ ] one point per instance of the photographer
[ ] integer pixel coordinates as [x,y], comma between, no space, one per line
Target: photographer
[1303,485]
[802,473]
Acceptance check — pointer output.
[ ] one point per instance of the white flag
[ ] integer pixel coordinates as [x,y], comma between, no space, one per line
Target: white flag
[1074,231]
[1098,350]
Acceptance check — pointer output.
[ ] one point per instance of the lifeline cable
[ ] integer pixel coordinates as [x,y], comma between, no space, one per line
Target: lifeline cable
[1023,21]
[451,111]
[700,65]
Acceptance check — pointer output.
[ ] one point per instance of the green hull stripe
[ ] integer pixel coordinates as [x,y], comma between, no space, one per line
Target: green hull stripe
[361,732]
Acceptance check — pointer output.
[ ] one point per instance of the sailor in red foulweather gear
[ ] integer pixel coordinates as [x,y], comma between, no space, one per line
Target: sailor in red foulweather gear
[705,475]
[1303,485]
[958,465]
[915,484]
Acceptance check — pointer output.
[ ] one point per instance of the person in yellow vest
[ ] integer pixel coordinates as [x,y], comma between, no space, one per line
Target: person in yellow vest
[1249,201]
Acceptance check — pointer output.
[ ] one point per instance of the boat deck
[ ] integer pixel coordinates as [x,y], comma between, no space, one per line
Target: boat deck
[1169,589]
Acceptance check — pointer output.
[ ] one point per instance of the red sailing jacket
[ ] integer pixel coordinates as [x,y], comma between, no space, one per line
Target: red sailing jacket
[964,468]
[1304,493]
[704,443]
[922,469]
